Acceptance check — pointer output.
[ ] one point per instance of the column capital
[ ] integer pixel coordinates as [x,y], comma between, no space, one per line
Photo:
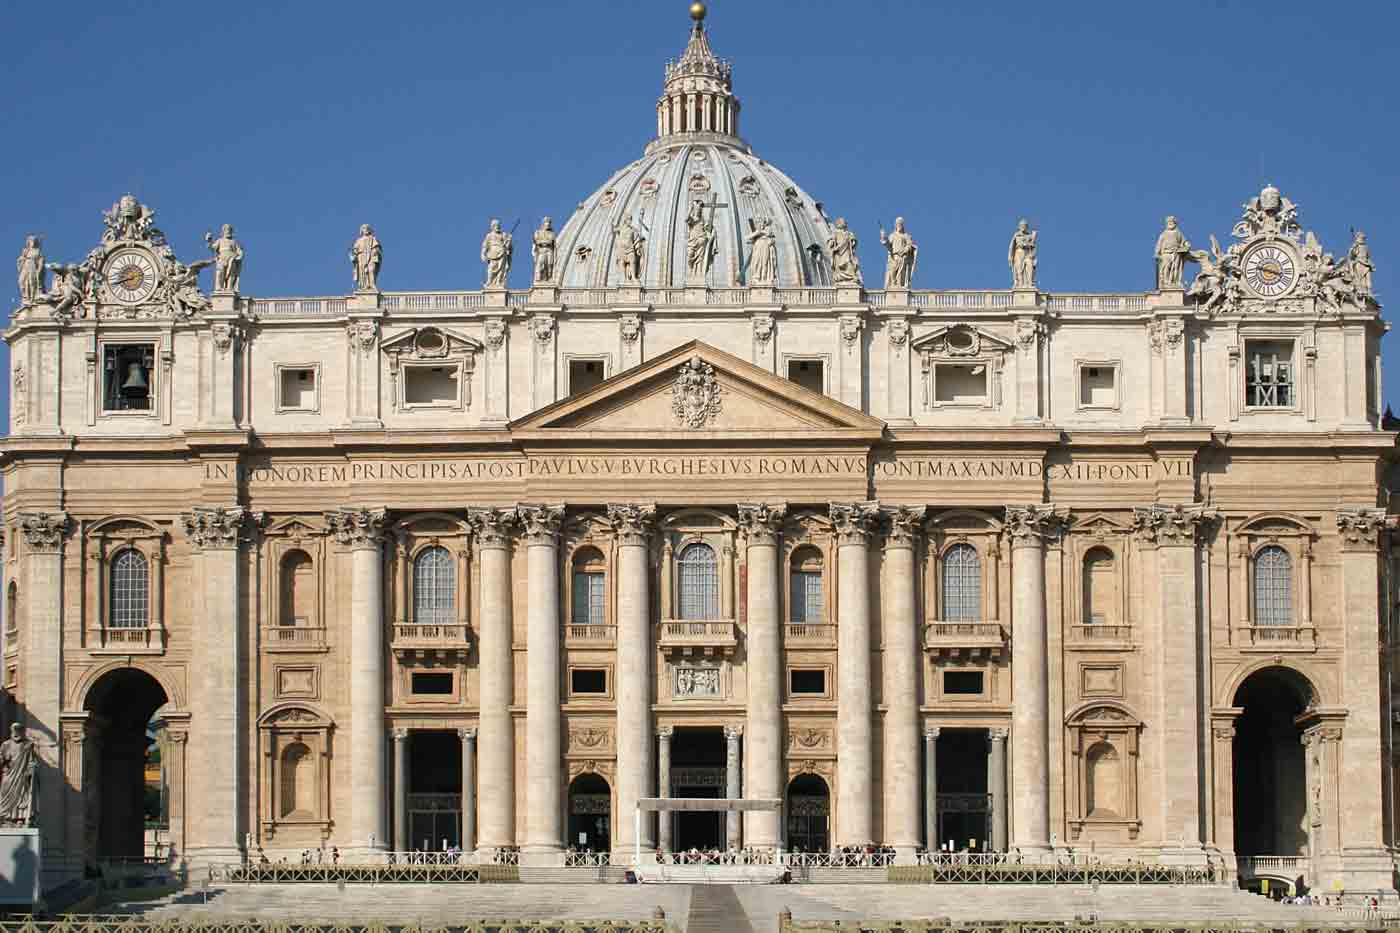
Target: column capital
[931,733]
[632,523]
[1360,528]
[854,521]
[539,524]
[1173,525]
[1030,525]
[216,529]
[493,528]
[43,531]
[358,529]
[1223,732]
[902,524]
[998,735]
[733,733]
[467,735]
[665,732]
[400,735]
[762,521]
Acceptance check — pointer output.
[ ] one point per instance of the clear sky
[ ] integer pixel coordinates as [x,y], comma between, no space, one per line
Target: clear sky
[298,121]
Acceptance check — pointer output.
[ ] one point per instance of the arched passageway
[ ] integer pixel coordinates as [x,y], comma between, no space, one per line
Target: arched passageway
[118,797]
[808,814]
[590,813]
[1270,775]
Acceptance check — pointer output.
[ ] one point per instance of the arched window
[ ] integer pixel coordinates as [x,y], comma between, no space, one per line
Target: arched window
[434,587]
[298,781]
[699,582]
[962,584]
[130,590]
[1103,782]
[1273,587]
[805,605]
[1100,590]
[590,588]
[298,590]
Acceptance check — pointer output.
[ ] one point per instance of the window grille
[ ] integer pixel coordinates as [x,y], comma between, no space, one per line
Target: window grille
[1273,587]
[699,582]
[131,590]
[588,598]
[434,588]
[805,605]
[1269,378]
[962,584]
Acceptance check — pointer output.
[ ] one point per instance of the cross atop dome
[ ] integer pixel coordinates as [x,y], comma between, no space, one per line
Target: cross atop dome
[699,92]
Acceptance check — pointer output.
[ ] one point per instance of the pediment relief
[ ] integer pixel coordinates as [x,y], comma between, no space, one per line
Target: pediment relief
[1276,523]
[432,524]
[962,520]
[296,526]
[126,528]
[955,341]
[1100,524]
[1103,713]
[430,343]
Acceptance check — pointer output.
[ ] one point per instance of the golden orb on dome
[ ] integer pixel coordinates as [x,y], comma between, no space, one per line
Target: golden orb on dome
[697,11]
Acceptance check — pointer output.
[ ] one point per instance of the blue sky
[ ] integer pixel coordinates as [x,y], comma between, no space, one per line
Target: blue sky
[298,121]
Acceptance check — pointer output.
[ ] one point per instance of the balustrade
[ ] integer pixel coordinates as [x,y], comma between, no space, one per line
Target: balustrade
[590,636]
[692,636]
[297,636]
[147,638]
[807,634]
[1277,637]
[1099,633]
[955,638]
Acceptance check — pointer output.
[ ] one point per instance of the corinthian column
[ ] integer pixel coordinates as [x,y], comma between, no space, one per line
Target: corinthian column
[632,526]
[901,669]
[362,531]
[544,790]
[763,727]
[42,658]
[216,672]
[1030,736]
[855,738]
[492,530]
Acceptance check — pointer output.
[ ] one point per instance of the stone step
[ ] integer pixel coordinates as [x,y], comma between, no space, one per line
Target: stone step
[715,908]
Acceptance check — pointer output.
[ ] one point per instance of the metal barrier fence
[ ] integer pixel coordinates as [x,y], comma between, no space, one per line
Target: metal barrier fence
[127,924]
[787,925]
[402,873]
[1010,873]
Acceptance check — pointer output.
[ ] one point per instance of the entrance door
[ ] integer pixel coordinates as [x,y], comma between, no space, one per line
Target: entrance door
[698,770]
[590,814]
[808,814]
[435,791]
[964,806]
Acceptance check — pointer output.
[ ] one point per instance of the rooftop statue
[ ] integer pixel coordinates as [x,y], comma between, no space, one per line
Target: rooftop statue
[1210,287]
[699,243]
[70,287]
[845,264]
[631,251]
[1021,256]
[762,268]
[129,219]
[497,251]
[1269,213]
[19,779]
[366,257]
[228,259]
[542,251]
[904,255]
[1360,265]
[1172,252]
[186,300]
[30,266]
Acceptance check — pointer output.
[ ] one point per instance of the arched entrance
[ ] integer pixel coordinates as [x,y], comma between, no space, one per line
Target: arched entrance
[1270,772]
[123,790]
[808,814]
[590,813]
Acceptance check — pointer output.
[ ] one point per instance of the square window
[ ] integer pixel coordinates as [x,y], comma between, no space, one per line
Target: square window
[960,383]
[127,373]
[432,684]
[962,683]
[590,681]
[585,374]
[810,374]
[1098,386]
[298,389]
[432,386]
[1268,374]
[808,682]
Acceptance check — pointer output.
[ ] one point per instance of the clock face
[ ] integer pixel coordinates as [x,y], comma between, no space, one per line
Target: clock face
[131,276]
[1269,270]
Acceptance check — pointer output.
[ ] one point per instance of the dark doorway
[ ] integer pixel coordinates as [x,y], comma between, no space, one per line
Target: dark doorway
[121,706]
[1270,770]
[808,814]
[697,770]
[434,790]
[590,814]
[964,806]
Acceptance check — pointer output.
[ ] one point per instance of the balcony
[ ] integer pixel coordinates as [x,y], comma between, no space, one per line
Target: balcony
[436,640]
[689,638]
[149,639]
[1276,637]
[1101,635]
[298,637]
[581,635]
[809,635]
[965,639]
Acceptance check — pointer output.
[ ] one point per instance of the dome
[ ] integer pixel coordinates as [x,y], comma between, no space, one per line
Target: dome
[696,157]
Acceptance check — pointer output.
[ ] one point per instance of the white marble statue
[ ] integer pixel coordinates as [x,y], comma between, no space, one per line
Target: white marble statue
[631,250]
[904,255]
[542,251]
[699,243]
[366,256]
[185,297]
[19,779]
[763,254]
[1360,265]
[1172,252]
[70,287]
[497,251]
[228,259]
[30,266]
[845,264]
[1020,255]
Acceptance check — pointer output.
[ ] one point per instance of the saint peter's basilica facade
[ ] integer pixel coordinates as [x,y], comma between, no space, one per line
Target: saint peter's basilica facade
[705,512]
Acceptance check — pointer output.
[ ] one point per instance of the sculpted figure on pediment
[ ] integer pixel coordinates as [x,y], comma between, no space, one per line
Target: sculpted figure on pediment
[30,266]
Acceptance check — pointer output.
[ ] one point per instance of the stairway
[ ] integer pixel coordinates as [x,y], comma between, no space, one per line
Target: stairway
[715,908]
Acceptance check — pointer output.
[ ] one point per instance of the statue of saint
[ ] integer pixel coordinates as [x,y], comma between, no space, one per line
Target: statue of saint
[19,779]
[699,243]
[1172,252]
[904,255]
[70,287]
[763,254]
[228,259]
[30,266]
[1360,265]
[542,251]
[366,256]
[185,297]
[497,251]
[631,248]
[845,264]
[1020,255]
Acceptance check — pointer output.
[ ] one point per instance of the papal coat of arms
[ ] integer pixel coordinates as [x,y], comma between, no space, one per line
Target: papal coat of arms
[695,398]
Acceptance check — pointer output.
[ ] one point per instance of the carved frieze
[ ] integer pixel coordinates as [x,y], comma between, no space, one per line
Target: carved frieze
[363,335]
[696,683]
[1028,334]
[629,327]
[809,739]
[1166,335]
[696,396]
[589,739]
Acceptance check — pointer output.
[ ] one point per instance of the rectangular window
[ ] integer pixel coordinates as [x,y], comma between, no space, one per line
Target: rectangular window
[1098,386]
[809,374]
[431,387]
[588,598]
[298,390]
[808,682]
[127,371]
[962,683]
[1269,374]
[805,604]
[960,383]
[588,681]
[584,375]
[432,684]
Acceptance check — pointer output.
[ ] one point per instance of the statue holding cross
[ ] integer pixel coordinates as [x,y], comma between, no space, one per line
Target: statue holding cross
[700,239]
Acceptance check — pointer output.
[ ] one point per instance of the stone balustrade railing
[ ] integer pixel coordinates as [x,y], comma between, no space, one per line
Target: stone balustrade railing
[1276,636]
[431,634]
[141,638]
[970,635]
[590,635]
[301,635]
[810,633]
[1099,632]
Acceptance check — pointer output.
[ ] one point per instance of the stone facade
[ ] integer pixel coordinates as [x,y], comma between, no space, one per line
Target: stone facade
[1035,570]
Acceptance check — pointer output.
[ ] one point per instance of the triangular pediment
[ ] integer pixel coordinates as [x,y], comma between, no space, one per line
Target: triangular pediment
[696,388]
